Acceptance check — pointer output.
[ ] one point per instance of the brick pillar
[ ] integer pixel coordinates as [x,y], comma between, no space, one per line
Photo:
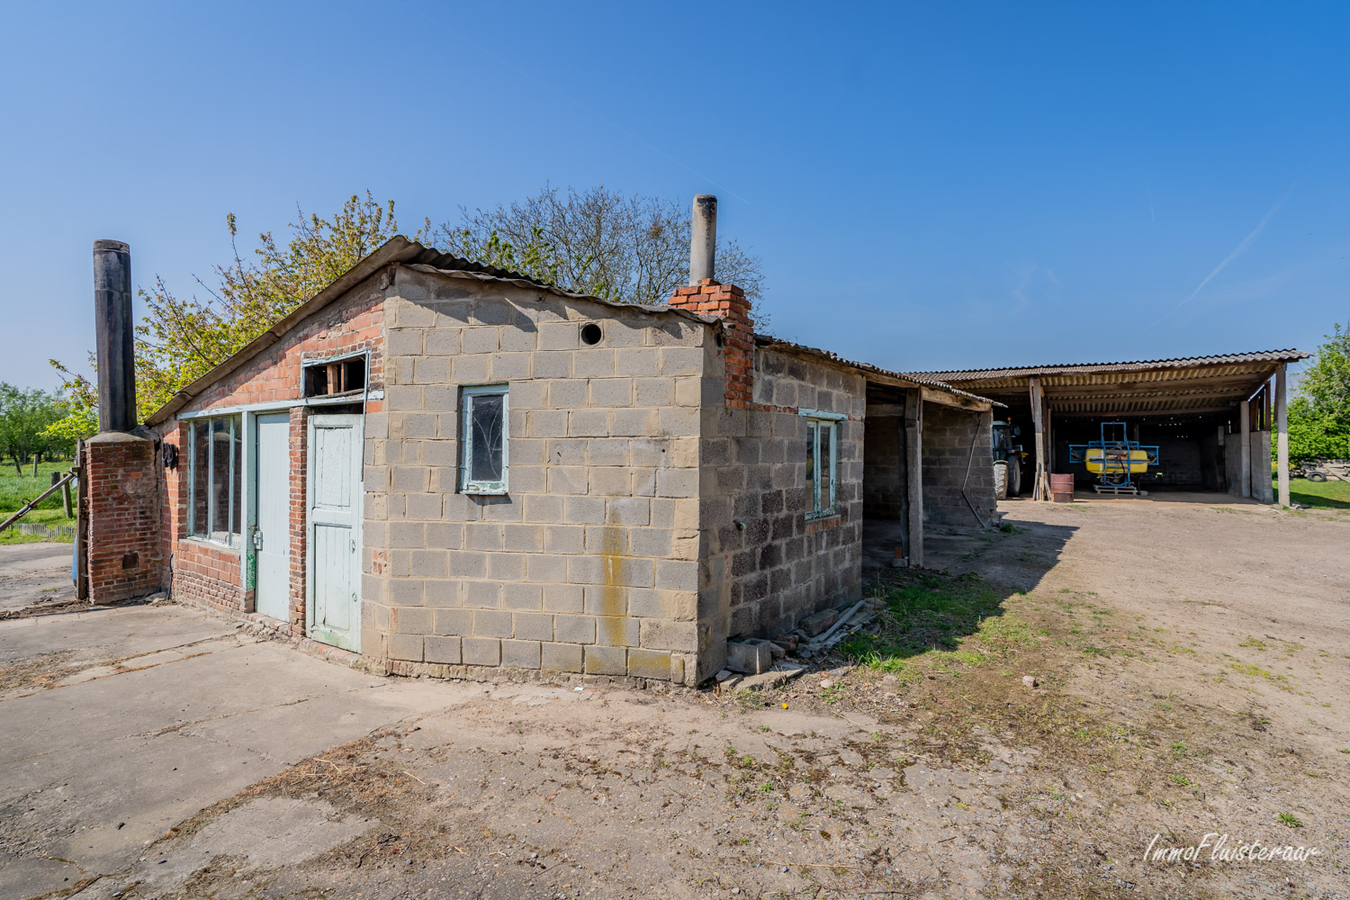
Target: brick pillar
[122,522]
[728,303]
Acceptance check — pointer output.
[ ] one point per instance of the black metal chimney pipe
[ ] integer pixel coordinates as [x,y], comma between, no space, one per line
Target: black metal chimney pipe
[113,326]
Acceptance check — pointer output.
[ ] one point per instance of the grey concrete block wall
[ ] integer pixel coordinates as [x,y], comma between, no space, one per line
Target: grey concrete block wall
[589,563]
[1262,488]
[884,480]
[763,565]
[957,456]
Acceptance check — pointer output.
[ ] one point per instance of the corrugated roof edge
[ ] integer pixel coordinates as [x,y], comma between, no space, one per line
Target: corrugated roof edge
[917,380]
[1290,355]
[397,250]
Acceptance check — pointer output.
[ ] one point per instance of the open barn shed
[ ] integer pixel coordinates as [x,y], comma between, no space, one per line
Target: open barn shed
[1212,418]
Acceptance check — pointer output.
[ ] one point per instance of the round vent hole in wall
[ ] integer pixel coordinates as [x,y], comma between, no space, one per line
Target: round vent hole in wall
[591,334]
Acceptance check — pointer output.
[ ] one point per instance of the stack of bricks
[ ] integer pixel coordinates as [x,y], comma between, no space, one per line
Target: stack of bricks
[123,517]
[727,302]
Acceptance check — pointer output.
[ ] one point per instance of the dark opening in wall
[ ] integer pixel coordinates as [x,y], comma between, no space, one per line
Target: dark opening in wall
[343,376]
[591,334]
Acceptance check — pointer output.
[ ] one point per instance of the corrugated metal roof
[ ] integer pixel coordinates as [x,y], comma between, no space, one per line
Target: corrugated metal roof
[923,380]
[1197,385]
[1273,356]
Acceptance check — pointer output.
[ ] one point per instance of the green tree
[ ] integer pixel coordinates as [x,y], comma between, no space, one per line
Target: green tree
[633,249]
[24,419]
[598,242]
[181,339]
[1319,413]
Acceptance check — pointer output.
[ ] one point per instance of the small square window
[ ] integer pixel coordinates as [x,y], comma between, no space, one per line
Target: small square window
[484,439]
[822,466]
[326,379]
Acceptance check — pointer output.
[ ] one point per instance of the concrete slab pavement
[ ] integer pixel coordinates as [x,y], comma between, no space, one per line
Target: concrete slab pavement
[33,572]
[157,713]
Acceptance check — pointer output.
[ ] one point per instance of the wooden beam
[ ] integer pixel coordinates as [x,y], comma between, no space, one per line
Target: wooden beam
[935,396]
[879,410]
[1245,450]
[1282,432]
[1121,414]
[914,474]
[1038,423]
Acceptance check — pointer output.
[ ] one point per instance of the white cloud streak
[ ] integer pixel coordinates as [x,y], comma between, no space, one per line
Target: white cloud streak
[1243,246]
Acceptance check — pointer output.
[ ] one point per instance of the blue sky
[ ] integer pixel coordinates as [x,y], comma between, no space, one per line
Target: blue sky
[929,185]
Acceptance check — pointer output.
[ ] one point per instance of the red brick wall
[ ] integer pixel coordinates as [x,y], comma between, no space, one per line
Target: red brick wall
[299,537]
[727,302]
[123,517]
[206,574]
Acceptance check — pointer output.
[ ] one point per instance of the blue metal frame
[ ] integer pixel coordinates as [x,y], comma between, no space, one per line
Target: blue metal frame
[1116,448]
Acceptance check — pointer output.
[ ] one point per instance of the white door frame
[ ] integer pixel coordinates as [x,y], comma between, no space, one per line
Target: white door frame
[358,502]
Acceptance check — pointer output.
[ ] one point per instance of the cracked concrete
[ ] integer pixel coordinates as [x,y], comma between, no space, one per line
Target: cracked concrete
[161,712]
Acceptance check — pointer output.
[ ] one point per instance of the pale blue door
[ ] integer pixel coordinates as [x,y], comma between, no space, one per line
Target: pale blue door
[271,536]
[336,502]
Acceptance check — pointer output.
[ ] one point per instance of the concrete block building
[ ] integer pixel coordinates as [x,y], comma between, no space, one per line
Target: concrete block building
[454,470]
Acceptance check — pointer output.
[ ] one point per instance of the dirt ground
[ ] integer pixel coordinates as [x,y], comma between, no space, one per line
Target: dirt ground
[1191,658]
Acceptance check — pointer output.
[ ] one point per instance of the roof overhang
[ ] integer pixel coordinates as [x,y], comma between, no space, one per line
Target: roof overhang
[934,390]
[1175,387]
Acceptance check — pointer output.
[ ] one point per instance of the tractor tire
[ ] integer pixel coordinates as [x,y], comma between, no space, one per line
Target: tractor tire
[1001,479]
[1015,477]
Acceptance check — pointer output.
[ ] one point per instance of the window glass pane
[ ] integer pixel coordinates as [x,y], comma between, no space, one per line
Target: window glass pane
[236,475]
[200,474]
[487,422]
[220,476]
[826,469]
[813,504]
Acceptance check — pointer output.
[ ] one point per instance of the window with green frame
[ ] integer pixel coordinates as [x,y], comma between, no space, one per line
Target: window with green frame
[483,435]
[215,483]
[822,466]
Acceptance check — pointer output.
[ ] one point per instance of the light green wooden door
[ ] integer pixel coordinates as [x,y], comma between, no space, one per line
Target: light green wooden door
[336,501]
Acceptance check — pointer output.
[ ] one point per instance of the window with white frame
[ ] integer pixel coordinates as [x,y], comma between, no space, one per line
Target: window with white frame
[483,439]
[822,465]
[215,485]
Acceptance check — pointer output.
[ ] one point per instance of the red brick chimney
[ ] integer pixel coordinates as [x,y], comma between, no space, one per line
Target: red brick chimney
[727,302]
[705,295]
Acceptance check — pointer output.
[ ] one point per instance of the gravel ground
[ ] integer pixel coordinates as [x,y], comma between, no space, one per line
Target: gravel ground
[1190,665]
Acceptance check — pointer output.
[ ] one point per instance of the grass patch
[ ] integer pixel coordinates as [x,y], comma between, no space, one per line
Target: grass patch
[15,490]
[38,516]
[1290,820]
[1258,672]
[1319,495]
[950,622]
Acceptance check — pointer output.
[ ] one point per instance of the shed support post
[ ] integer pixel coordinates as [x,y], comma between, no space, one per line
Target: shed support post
[1282,432]
[914,473]
[1245,450]
[1040,485]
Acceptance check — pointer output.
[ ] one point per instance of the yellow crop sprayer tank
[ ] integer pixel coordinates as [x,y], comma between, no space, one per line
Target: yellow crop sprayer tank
[1115,459]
